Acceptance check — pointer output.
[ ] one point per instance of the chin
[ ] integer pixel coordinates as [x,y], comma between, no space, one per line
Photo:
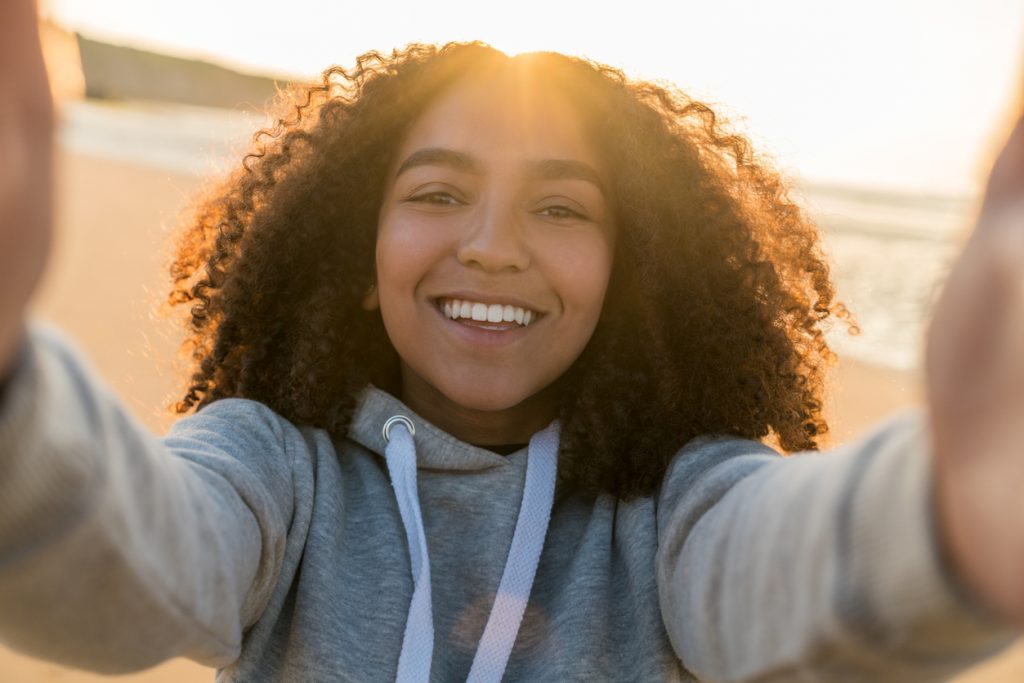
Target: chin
[485,396]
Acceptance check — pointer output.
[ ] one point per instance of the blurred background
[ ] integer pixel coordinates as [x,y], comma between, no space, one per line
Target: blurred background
[885,116]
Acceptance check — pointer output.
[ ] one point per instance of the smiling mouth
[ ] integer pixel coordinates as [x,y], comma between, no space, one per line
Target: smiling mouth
[497,317]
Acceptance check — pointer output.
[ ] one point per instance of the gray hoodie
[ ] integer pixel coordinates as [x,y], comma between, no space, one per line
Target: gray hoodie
[267,550]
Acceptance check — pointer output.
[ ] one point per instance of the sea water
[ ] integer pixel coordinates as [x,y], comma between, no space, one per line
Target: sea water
[182,138]
[889,251]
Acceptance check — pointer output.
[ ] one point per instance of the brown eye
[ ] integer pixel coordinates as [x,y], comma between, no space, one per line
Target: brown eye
[440,198]
[560,211]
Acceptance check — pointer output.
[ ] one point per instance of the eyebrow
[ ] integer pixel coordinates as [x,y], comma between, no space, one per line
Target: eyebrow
[544,169]
[440,156]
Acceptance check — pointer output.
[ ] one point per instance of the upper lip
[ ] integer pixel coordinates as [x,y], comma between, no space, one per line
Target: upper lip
[489,299]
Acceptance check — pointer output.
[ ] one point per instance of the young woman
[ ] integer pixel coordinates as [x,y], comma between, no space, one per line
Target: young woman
[484,351]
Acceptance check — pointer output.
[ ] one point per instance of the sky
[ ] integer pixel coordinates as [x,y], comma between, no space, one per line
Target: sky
[903,94]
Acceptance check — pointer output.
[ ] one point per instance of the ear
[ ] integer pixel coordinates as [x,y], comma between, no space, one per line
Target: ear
[371,300]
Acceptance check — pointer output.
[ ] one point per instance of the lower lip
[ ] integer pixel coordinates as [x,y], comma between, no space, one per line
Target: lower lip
[481,336]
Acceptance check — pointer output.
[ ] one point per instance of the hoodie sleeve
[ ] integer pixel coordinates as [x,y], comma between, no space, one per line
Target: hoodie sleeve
[813,567]
[119,549]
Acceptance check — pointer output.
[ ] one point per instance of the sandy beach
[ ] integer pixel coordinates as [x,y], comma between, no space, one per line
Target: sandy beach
[107,274]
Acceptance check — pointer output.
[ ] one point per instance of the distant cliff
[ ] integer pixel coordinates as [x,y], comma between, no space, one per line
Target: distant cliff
[122,73]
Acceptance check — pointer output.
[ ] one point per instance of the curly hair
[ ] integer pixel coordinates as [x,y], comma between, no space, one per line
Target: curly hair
[716,308]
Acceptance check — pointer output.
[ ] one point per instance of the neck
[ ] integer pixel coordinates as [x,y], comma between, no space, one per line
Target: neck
[481,427]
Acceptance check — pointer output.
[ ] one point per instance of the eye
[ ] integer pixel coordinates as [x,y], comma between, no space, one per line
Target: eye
[438,198]
[560,211]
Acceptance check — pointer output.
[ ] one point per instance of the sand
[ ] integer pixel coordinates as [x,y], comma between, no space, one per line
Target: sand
[107,273]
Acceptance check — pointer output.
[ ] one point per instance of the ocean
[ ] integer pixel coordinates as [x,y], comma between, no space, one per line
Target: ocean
[889,250]
[890,253]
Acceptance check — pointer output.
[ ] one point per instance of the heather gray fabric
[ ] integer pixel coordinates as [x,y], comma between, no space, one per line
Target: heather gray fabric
[262,548]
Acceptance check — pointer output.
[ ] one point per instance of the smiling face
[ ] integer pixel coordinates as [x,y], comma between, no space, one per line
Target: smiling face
[494,251]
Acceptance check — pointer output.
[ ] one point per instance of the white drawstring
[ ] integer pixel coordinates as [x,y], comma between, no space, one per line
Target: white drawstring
[418,642]
[520,567]
[523,557]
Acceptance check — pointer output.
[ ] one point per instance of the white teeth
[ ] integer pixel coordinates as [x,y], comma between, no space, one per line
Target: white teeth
[494,313]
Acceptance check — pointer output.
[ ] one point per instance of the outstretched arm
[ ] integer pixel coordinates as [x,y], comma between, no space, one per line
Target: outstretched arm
[897,558]
[817,567]
[119,549]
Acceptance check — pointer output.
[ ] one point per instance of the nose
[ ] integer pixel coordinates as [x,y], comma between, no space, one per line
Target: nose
[496,242]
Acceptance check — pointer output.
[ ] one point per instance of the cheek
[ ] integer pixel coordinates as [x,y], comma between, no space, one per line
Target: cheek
[581,271]
[404,254]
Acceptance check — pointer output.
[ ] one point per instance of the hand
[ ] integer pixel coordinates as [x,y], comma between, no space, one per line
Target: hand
[975,371]
[26,175]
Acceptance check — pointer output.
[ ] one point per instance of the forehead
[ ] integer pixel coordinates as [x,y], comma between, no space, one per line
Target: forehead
[510,117]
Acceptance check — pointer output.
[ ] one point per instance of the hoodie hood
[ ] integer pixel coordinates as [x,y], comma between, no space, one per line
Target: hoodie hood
[436,449]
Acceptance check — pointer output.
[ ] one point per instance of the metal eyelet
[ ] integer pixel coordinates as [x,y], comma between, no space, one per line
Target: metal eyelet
[398,418]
